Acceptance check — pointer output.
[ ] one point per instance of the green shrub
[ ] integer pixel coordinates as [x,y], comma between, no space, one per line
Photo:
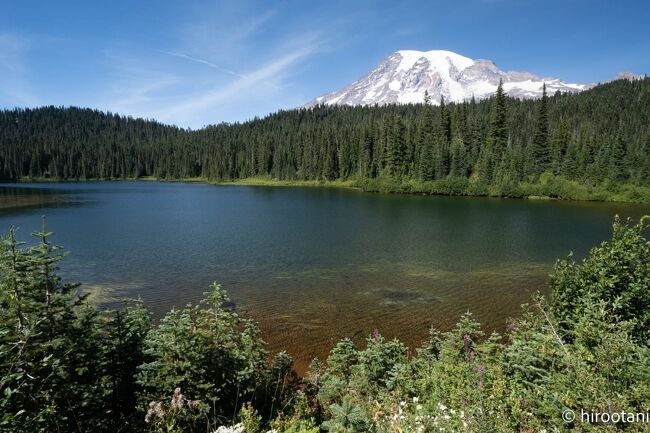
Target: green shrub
[68,367]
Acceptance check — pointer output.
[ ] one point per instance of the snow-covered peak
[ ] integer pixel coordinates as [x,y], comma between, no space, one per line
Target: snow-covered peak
[438,59]
[627,75]
[405,75]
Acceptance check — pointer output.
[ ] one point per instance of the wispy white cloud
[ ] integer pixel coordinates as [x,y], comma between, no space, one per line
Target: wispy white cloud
[221,65]
[180,85]
[133,87]
[201,61]
[273,70]
[220,34]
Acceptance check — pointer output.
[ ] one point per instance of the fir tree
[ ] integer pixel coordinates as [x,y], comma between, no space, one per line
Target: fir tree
[425,144]
[497,136]
[459,158]
[445,122]
[541,151]
[617,165]
[396,148]
[559,145]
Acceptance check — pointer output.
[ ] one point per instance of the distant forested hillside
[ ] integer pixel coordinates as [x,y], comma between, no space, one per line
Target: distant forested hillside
[595,139]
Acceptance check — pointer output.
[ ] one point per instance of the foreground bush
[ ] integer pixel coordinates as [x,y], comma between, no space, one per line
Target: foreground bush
[68,367]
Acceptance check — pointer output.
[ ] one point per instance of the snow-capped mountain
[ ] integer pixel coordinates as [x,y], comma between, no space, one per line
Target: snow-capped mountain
[405,75]
[627,75]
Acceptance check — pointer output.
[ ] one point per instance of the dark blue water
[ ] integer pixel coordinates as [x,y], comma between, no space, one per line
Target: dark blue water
[311,264]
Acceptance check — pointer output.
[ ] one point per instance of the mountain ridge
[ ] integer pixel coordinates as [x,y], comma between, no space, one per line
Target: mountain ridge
[404,76]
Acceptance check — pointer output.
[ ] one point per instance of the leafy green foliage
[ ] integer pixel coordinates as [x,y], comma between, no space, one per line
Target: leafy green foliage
[66,366]
[616,273]
[346,418]
[38,357]
[209,352]
[586,349]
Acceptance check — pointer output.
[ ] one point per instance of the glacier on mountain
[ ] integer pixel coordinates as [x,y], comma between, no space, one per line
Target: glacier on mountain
[405,76]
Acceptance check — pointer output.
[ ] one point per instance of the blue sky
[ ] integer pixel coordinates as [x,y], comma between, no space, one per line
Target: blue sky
[193,63]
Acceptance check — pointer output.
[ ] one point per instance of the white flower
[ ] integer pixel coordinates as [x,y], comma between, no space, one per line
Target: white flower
[418,407]
[237,428]
[415,399]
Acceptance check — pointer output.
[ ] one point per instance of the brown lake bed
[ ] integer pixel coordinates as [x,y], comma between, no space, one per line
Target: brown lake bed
[311,265]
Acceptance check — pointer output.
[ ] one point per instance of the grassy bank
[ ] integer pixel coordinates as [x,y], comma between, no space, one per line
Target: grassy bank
[265,181]
[249,181]
[548,187]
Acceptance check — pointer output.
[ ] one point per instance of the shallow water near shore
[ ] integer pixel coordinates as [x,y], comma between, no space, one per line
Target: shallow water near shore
[311,265]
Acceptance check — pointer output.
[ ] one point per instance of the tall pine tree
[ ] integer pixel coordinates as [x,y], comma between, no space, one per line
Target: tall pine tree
[497,136]
[396,147]
[541,151]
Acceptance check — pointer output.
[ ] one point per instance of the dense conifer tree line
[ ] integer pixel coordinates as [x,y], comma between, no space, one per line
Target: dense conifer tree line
[597,137]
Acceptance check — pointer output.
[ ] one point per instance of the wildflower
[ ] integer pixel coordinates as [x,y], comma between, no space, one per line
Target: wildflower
[415,399]
[193,404]
[177,400]
[237,428]
[155,410]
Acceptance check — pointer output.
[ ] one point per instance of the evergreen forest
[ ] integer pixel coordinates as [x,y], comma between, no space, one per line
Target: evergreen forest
[593,145]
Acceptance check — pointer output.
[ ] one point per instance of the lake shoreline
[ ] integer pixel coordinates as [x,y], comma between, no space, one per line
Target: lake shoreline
[524,191]
[311,265]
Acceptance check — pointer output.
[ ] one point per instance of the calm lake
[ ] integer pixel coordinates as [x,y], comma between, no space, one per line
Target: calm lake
[311,265]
